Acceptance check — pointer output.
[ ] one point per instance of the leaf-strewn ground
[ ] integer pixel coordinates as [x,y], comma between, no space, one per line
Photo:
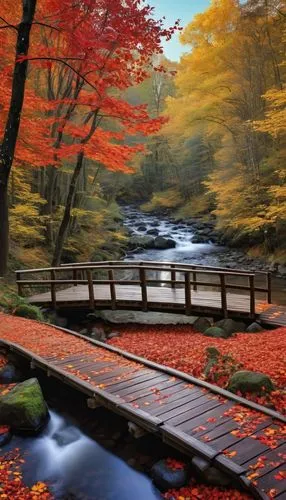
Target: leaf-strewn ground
[181,348]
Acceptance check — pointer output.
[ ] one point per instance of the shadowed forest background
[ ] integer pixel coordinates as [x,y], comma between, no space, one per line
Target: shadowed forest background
[220,150]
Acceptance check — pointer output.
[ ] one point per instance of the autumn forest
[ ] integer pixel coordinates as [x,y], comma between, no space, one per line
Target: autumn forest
[91,117]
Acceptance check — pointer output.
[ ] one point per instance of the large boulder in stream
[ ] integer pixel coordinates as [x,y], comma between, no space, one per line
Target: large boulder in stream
[247,381]
[162,243]
[141,241]
[24,407]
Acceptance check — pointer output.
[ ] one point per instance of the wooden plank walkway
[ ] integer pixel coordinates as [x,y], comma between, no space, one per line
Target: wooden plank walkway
[129,296]
[237,436]
[274,316]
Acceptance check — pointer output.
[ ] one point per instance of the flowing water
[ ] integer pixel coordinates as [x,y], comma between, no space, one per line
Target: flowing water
[77,467]
[188,252]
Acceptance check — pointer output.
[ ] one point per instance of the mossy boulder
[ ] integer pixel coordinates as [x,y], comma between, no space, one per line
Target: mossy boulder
[24,407]
[29,311]
[141,241]
[215,331]
[162,243]
[254,328]
[202,324]
[230,326]
[247,381]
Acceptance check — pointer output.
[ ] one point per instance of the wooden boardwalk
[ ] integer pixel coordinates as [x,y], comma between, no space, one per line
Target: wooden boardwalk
[238,437]
[147,286]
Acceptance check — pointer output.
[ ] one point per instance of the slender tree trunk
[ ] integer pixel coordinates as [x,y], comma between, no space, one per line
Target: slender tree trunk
[67,213]
[7,148]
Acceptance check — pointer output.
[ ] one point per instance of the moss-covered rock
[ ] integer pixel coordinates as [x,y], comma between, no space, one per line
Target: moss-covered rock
[141,241]
[215,331]
[202,324]
[230,326]
[29,311]
[24,407]
[247,381]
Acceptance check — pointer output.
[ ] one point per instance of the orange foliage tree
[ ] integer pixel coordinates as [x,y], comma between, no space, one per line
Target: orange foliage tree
[90,52]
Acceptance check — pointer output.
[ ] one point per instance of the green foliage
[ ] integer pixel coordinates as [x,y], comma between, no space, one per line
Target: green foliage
[29,311]
[12,303]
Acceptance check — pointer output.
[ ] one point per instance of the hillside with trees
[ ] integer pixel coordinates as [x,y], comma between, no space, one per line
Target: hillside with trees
[223,148]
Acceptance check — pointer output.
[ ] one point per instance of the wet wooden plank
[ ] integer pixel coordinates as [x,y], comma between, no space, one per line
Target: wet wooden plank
[244,450]
[182,398]
[210,419]
[269,482]
[149,391]
[131,379]
[177,410]
[138,386]
[267,462]
[119,375]
[198,409]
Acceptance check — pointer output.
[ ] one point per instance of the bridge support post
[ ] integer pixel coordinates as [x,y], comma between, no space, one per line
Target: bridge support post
[143,289]
[188,299]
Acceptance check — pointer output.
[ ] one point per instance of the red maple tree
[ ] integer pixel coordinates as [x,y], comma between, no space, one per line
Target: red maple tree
[83,56]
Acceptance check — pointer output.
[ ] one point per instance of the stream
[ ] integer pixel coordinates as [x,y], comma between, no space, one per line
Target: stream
[189,252]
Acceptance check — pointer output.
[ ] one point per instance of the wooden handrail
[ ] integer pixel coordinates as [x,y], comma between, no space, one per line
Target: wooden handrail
[135,267]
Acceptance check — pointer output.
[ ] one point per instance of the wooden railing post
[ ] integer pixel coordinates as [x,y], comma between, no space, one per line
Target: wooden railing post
[53,289]
[195,281]
[188,299]
[112,289]
[269,288]
[74,276]
[143,289]
[173,276]
[19,285]
[223,295]
[90,289]
[252,296]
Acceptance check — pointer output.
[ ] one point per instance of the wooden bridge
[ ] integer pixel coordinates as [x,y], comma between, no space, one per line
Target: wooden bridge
[237,436]
[148,286]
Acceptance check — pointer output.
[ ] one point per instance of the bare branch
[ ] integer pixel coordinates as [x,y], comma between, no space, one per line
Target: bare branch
[64,61]
[46,26]
[8,25]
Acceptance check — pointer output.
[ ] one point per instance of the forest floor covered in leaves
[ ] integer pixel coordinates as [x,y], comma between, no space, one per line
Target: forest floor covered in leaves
[182,348]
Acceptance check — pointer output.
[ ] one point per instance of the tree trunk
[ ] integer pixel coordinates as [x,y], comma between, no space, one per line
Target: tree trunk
[67,213]
[7,148]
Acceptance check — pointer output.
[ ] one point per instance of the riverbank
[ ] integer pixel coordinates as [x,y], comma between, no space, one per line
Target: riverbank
[204,231]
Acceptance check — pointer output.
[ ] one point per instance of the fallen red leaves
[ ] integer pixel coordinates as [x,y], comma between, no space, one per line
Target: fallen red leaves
[201,492]
[181,348]
[11,481]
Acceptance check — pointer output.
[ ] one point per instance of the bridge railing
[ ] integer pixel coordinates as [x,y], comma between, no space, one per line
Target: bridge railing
[190,277]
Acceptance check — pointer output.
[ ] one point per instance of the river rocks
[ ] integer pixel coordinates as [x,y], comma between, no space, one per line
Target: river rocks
[215,331]
[247,381]
[10,374]
[153,232]
[141,241]
[141,227]
[98,333]
[166,478]
[5,437]
[24,407]
[254,328]
[67,436]
[164,243]
[230,326]
[113,335]
[202,324]
[209,475]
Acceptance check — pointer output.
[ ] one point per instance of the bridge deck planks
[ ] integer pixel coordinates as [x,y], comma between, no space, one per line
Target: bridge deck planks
[184,407]
[132,294]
